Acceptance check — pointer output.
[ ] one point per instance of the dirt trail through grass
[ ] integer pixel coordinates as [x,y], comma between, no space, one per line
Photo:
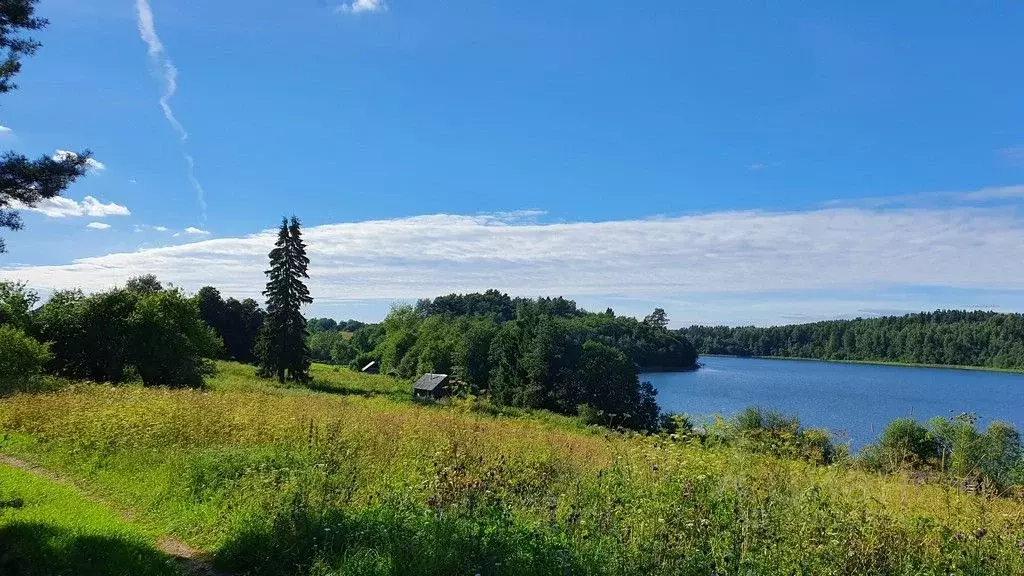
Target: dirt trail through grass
[192,562]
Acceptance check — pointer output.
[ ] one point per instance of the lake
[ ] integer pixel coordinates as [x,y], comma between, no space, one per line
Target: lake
[854,401]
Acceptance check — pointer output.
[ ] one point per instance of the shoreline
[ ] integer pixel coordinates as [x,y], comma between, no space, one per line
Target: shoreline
[879,363]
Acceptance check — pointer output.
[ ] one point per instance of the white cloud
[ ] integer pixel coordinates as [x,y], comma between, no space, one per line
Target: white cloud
[60,207]
[168,74]
[92,163]
[993,194]
[97,226]
[196,231]
[160,228]
[361,6]
[5,131]
[742,255]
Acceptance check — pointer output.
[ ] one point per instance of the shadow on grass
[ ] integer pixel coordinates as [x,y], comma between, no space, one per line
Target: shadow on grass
[329,388]
[393,540]
[35,549]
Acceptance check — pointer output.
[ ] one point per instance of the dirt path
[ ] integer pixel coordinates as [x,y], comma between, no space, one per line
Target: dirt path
[193,562]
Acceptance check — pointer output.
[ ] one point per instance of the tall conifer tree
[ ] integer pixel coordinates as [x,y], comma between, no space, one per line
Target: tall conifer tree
[282,350]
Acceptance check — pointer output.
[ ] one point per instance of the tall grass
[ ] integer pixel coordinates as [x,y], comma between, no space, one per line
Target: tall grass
[281,481]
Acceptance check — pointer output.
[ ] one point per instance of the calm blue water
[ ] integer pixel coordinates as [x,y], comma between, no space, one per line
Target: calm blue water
[855,401]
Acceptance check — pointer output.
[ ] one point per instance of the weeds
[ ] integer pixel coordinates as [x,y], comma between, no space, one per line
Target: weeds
[275,481]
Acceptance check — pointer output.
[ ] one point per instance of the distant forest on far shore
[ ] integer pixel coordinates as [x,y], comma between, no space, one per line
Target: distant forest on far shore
[948,337]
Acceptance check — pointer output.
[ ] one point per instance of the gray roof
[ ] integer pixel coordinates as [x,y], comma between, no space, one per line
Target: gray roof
[430,381]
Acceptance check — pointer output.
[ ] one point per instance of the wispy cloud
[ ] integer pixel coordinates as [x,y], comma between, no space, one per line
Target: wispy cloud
[1014,156]
[167,72]
[160,228]
[97,226]
[162,63]
[5,131]
[991,194]
[60,207]
[193,231]
[92,163]
[362,6]
[747,256]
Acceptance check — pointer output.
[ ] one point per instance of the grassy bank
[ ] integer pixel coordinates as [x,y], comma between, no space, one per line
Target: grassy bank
[47,528]
[290,481]
[878,363]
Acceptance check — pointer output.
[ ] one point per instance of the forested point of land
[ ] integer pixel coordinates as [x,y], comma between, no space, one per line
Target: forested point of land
[527,353]
[946,337]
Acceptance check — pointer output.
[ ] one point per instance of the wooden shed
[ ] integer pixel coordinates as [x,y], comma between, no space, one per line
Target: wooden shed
[371,368]
[432,386]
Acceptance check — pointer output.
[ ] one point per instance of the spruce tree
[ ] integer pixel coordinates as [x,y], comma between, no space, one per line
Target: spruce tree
[282,350]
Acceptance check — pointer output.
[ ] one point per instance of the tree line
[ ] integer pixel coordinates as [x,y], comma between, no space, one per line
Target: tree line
[155,334]
[531,353]
[949,337]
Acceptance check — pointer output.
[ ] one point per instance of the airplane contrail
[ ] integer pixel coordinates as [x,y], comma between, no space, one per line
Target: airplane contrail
[167,72]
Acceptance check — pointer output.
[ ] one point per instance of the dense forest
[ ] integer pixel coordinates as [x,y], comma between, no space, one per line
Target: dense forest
[949,337]
[531,353]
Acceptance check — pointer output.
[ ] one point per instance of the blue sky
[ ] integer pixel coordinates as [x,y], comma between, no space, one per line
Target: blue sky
[734,162]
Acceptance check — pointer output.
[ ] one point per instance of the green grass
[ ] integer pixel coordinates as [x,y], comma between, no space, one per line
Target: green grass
[232,376]
[49,529]
[360,480]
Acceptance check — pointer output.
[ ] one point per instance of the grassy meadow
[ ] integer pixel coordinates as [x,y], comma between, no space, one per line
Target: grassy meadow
[353,478]
[48,528]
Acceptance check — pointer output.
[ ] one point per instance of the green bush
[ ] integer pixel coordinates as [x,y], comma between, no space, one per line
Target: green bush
[770,432]
[588,414]
[904,443]
[680,424]
[21,360]
[112,335]
[757,419]
[816,446]
[995,457]
[170,343]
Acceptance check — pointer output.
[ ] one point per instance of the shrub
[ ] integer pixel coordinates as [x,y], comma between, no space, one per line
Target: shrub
[903,443]
[21,360]
[676,424]
[816,446]
[995,456]
[588,414]
[170,342]
[1004,455]
[770,432]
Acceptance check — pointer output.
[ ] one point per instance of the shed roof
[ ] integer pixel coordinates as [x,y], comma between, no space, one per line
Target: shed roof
[429,381]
